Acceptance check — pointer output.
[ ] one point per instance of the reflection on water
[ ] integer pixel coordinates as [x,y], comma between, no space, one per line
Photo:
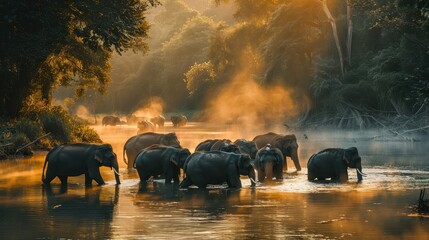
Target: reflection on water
[292,209]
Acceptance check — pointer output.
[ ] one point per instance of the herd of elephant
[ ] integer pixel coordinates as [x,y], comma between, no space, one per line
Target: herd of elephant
[214,161]
[143,123]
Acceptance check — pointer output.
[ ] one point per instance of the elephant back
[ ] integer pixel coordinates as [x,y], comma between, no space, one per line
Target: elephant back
[144,140]
[247,147]
[206,145]
[264,139]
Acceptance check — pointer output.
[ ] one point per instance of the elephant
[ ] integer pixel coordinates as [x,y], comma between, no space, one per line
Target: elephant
[133,119]
[269,162]
[110,120]
[77,159]
[206,145]
[136,143]
[145,126]
[246,147]
[217,144]
[159,159]
[286,143]
[179,120]
[158,121]
[333,163]
[217,167]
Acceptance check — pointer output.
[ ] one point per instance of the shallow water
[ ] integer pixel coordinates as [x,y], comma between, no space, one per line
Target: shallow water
[380,206]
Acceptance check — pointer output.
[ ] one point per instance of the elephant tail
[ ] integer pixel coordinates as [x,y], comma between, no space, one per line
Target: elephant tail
[43,171]
[44,165]
[125,149]
[123,156]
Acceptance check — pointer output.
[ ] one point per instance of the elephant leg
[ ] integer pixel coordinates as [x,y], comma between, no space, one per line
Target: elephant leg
[186,183]
[50,175]
[344,177]
[88,180]
[63,180]
[278,174]
[234,181]
[176,178]
[310,176]
[168,174]
[168,179]
[143,176]
[261,175]
[97,177]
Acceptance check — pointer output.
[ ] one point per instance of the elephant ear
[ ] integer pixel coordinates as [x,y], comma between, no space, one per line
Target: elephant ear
[279,156]
[174,158]
[346,158]
[258,158]
[98,156]
[350,156]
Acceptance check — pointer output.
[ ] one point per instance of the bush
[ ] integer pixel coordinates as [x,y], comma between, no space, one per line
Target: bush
[31,129]
[40,121]
[58,124]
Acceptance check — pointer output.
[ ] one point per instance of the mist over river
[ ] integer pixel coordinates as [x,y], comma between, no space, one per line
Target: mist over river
[379,207]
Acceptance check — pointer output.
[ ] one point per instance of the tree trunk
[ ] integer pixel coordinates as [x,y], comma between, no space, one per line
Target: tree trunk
[335,33]
[18,90]
[349,31]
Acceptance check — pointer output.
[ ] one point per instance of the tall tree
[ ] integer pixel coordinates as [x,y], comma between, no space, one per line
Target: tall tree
[49,42]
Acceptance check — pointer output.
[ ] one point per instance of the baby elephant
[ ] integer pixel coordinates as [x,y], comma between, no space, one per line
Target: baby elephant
[333,163]
[160,159]
[269,162]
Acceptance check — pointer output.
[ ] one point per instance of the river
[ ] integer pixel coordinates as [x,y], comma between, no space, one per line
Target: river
[379,207]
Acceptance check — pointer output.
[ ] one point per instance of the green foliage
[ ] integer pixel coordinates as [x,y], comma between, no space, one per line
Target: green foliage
[62,127]
[58,123]
[199,78]
[46,43]
[181,38]
[31,129]
[84,133]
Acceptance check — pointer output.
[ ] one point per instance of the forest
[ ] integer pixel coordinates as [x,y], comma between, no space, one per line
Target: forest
[349,64]
[342,63]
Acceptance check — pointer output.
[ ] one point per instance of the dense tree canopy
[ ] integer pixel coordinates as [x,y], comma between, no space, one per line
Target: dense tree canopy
[339,59]
[45,43]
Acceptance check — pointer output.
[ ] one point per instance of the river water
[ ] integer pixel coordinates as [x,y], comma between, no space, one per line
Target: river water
[379,207]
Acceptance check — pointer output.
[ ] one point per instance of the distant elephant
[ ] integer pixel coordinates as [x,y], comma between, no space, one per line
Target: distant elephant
[158,121]
[286,143]
[217,167]
[145,126]
[179,120]
[160,159]
[133,119]
[110,120]
[136,143]
[77,159]
[269,163]
[246,147]
[217,144]
[333,163]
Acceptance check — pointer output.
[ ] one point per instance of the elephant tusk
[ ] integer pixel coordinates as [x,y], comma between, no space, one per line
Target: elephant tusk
[116,171]
[252,180]
[361,173]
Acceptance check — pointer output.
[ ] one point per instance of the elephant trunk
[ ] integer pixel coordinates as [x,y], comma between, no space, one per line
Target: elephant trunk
[252,176]
[295,160]
[115,167]
[268,169]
